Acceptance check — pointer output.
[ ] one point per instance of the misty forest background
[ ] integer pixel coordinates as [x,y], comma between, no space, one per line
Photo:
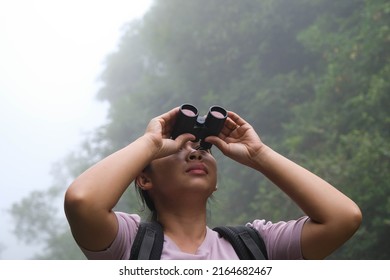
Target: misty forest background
[311,76]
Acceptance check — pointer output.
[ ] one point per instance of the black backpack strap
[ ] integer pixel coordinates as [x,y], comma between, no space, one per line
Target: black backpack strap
[246,241]
[148,242]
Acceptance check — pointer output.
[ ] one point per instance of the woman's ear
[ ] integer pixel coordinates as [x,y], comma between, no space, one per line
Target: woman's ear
[144,181]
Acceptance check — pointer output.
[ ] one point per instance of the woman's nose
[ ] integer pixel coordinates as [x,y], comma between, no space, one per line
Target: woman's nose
[194,155]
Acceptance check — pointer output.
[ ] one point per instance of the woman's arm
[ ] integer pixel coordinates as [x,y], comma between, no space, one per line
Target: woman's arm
[90,199]
[333,216]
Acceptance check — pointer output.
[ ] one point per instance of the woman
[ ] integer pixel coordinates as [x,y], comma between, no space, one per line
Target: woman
[179,178]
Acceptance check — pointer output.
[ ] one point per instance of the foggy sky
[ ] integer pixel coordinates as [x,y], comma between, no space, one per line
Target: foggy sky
[51,55]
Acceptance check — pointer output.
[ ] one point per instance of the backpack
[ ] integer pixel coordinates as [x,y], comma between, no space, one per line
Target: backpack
[246,242]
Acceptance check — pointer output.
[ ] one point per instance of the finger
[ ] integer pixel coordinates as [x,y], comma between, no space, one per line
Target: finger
[230,124]
[170,116]
[236,118]
[229,128]
[218,142]
[184,138]
[171,113]
[168,120]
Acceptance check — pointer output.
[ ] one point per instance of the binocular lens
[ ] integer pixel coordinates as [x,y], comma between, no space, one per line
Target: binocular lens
[188,113]
[218,112]
[189,110]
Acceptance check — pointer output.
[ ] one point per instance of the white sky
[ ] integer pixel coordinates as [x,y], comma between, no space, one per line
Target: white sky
[51,54]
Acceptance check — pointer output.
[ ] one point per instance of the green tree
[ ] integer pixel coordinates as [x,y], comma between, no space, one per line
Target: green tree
[343,132]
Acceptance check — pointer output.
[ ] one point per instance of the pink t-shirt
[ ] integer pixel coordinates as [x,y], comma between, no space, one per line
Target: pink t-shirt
[282,241]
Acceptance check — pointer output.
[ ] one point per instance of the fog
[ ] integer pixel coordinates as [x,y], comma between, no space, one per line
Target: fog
[51,54]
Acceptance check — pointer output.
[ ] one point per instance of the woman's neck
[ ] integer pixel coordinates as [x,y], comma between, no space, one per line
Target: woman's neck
[185,226]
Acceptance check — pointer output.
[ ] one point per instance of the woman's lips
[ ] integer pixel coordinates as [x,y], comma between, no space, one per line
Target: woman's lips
[197,169]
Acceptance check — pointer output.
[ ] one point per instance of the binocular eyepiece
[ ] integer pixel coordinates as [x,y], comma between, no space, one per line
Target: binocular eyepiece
[189,121]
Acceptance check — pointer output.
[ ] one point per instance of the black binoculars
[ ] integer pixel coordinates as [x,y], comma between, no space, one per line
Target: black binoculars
[189,121]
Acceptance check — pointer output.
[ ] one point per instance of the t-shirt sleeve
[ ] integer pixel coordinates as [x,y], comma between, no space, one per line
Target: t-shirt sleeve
[121,246]
[282,239]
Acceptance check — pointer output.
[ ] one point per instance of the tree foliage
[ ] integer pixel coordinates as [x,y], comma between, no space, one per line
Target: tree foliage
[310,76]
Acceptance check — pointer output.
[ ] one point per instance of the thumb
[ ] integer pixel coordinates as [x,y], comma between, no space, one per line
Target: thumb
[171,146]
[218,142]
[184,138]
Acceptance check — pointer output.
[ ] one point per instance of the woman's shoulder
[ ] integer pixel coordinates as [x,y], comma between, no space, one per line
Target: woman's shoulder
[265,225]
[282,238]
[131,219]
[121,246]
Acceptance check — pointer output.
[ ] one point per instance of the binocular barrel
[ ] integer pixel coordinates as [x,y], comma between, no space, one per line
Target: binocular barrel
[189,121]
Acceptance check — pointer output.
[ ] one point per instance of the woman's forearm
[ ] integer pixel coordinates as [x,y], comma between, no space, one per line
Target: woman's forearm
[102,185]
[316,197]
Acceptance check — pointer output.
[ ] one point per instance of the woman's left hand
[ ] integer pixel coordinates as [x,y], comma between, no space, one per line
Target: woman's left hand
[238,140]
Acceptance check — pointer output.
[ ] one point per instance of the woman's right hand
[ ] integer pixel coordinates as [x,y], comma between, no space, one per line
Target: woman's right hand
[159,131]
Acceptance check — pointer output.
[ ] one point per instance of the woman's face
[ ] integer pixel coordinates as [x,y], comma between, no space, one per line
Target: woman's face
[189,171]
